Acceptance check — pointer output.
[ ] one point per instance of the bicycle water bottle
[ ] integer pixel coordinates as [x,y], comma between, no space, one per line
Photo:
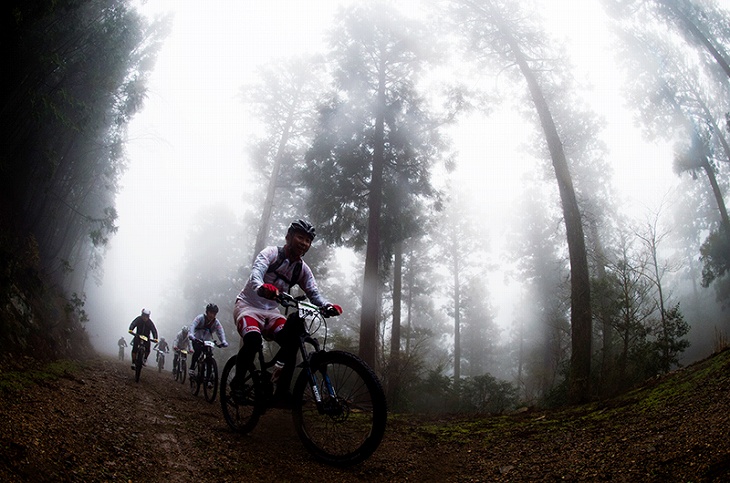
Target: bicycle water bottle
[278,366]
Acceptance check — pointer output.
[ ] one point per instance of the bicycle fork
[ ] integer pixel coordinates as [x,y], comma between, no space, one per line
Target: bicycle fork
[327,385]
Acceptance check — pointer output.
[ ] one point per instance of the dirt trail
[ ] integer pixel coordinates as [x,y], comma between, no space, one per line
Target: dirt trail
[97,424]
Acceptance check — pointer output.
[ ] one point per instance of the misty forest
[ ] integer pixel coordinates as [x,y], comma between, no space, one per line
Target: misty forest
[360,139]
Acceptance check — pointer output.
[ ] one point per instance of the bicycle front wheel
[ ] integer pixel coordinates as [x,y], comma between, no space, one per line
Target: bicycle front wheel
[242,407]
[348,425]
[138,364]
[183,371]
[210,385]
[196,379]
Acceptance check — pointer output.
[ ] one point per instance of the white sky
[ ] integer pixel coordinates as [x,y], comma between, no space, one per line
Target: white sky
[186,147]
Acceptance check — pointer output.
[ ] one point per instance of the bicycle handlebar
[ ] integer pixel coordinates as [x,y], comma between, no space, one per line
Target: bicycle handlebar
[287,300]
[216,343]
[143,337]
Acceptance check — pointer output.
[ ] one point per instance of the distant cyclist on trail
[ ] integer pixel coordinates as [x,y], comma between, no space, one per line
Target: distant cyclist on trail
[122,344]
[181,343]
[144,325]
[202,329]
[256,311]
[162,345]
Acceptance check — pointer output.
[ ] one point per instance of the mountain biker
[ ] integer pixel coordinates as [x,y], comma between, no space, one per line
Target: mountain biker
[202,329]
[122,344]
[181,343]
[162,345]
[255,313]
[144,326]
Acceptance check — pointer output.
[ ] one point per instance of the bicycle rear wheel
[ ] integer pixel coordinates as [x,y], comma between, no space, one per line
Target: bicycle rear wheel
[241,412]
[210,384]
[350,423]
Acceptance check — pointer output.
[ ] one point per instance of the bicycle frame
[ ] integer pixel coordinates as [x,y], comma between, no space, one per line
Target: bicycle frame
[207,352]
[140,342]
[180,355]
[306,310]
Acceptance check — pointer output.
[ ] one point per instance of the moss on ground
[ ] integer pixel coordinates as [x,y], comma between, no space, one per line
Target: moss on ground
[14,381]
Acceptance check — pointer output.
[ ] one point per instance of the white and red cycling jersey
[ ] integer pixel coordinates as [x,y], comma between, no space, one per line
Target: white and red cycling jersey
[281,278]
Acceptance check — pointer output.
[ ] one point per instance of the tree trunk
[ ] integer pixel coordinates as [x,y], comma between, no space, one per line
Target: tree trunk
[410,279]
[457,319]
[371,286]
[268,208]
[718,195]
[394,379]
[580,300]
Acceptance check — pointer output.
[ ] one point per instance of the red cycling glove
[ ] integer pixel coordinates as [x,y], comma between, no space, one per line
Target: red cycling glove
[268,291]
[333,309]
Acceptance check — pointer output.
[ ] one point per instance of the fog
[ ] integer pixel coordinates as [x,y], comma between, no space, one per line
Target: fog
[187,151]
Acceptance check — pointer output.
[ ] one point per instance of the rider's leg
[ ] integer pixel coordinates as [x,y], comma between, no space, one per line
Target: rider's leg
[251,344]
[287,336]
[197,349]
[196,355]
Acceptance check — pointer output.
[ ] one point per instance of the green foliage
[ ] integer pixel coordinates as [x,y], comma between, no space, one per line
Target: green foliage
[715,256]
[556,396]
[376,70]
[435,393]
[75,308]
[79,78]
[669,340]
[12,382]
[487,394]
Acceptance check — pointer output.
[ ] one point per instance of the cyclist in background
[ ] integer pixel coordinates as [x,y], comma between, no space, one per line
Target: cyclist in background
[181,343]
[256,311]
[163,346]
[202,329]
[144,325]
[122,344]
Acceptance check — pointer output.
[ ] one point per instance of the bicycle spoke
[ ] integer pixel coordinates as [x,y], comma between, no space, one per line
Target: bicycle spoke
[349,423]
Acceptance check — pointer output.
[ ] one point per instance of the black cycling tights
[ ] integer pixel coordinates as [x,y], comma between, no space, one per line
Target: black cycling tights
[251,343]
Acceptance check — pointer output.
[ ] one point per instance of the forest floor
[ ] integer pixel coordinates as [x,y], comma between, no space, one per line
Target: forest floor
[90,421]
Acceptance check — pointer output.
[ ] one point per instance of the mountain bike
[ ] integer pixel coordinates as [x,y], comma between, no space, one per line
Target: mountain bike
[339,407]
[138,360]
[206,374]
[180,365]
[160,360]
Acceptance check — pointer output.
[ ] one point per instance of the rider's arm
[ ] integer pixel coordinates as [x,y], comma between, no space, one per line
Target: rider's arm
[309,285]
[221,333]
[154,329]
[194,326]
[266,257]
